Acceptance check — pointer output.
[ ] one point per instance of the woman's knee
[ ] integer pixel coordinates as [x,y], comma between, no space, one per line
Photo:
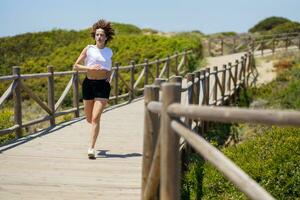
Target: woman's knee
[89,119]
[95,119]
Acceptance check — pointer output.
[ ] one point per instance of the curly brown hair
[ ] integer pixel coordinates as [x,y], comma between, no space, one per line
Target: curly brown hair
[106,26]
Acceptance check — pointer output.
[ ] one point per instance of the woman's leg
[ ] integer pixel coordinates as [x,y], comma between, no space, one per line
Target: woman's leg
[98,108]
[88,109]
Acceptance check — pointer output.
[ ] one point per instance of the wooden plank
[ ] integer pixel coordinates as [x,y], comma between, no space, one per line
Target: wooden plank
[7,92]
[64,94]
[55,164]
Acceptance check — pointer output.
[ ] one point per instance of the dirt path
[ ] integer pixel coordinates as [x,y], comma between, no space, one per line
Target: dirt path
[266,72]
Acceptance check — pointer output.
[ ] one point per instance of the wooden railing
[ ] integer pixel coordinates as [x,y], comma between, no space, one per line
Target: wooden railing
[167,120]
[160,68]
[228,45]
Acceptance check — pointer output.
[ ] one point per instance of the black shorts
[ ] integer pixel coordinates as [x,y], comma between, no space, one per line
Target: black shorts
[92,89]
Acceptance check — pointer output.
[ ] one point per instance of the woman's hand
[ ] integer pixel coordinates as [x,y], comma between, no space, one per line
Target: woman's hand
[95,67]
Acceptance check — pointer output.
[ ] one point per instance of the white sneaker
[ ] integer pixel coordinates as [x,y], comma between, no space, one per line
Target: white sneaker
[91,153]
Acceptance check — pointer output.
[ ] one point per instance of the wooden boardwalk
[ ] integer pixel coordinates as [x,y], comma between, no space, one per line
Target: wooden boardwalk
[54,164]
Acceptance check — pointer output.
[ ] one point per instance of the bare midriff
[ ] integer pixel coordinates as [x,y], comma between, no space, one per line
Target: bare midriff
[97,75]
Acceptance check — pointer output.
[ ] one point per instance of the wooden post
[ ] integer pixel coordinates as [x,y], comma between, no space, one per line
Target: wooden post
[245,69]
[223,84]
[229,67]
[222,46]
[168,67]
[51,100]
[17,101]
[190,77]
[215,71]
[76,93]
[286,42]
[203,102]
[241,69]
[207,88]
[132,81]
[146,72]
[235,80]
[196,88]
[262,48]
[116,79]
[176,79]
[207,94]
[157,67]
[151,93]
[159,81]
[176,63]
[170,167]
[203,80]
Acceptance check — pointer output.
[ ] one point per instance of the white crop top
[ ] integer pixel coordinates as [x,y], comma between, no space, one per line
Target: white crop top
[94,55]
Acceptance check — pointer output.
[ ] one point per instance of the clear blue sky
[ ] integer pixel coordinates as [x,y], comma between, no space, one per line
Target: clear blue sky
[208,16]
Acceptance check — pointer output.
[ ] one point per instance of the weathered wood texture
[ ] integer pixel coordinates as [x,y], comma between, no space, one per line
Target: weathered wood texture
[55,165]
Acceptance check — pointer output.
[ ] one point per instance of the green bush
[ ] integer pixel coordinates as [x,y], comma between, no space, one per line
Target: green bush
[268,24]
[60,48]
[271,159]
[283,92]
[6,121]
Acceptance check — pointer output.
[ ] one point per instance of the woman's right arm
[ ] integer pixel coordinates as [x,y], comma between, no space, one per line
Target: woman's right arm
[78,65]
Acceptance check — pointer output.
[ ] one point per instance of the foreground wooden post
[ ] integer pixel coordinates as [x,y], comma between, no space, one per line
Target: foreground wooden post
[151,93]
[76,93]
[17,102]
[116,80]
[159,81]
[51,100]
[170,168]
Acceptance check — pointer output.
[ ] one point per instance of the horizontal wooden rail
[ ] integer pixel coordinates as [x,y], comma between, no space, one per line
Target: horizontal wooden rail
[227,114]
[148,71]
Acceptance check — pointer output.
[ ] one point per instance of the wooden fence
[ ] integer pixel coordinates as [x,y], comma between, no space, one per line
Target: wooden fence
[228,45]
[168,120]
[146,72]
